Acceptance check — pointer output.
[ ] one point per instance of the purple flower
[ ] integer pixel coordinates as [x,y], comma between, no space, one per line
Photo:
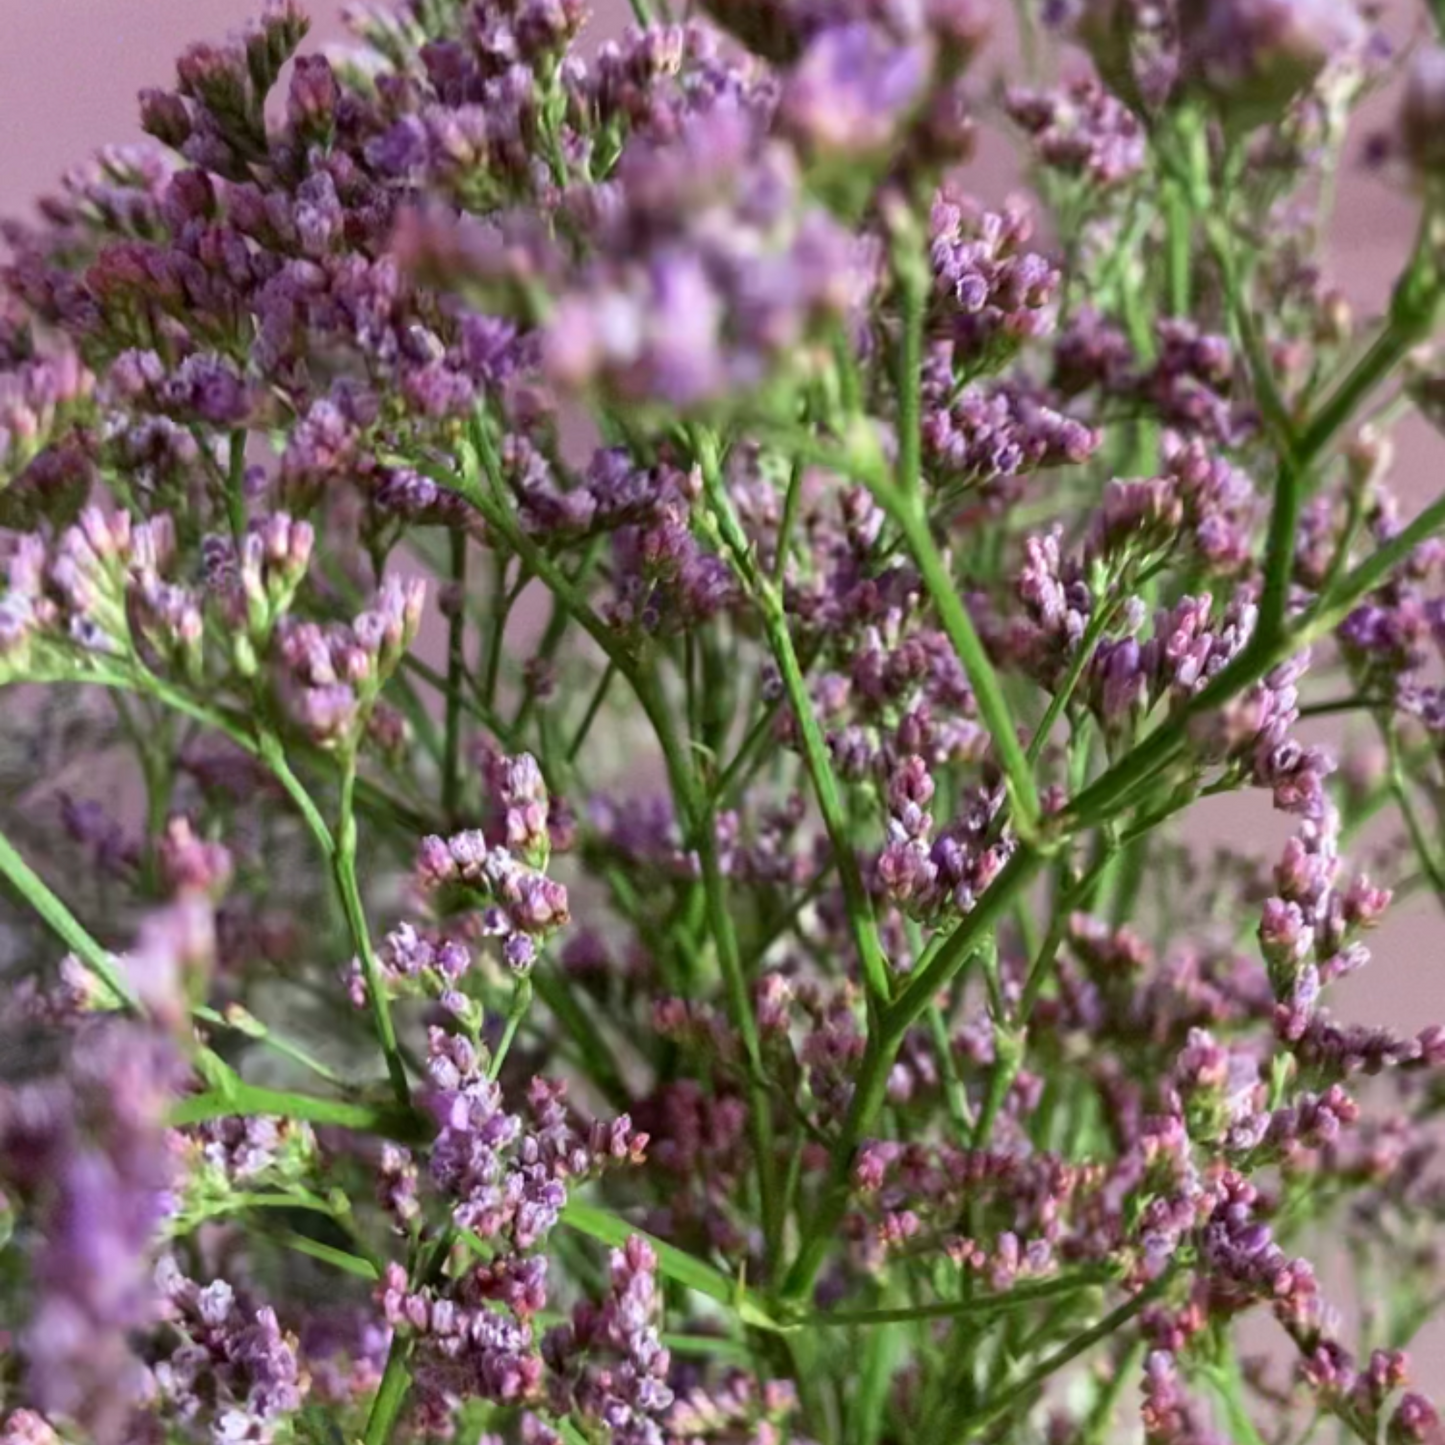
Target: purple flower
[851,90]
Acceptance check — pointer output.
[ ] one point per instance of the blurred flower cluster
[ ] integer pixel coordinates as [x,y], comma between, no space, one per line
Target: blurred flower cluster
[611,683]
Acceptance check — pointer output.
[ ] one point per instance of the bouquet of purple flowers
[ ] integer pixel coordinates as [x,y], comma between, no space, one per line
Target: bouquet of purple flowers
[641,664]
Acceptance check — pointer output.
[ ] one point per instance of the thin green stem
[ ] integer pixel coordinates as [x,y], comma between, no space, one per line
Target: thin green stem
[1370,573]
[1178,232]
[1017,1393]
[701,827]
[56,916]
[344,868]
[1414,824]
[693,805]
[987,689]
[238,1098]
[749,751]
[456,674]
[862,922]
[942,962]
[521,1002]
[562,1004]
[1266,389]
[1229,1388]
[935,970]
[236,485]
[953,1091]
[496,632]
[1043,964]
[594,706]
[1019,1297]
[248,1026]
[792,501]
[912,273]
[341,1259]
[1098,622]
[1098,1426]
[673,1263]
[1386,352]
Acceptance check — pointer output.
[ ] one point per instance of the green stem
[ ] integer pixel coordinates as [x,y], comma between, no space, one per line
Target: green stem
[1178,233]
[911,271]
[341,1259]
[701,829]
[344,867]
[987,689]
[791,504]
[1023,1388]
[390,1394]
[236,485]
[252,1028]
[940,963]
[943,962]
[749,751]
[602,1069]
[1019,1297]
[674,1263]
[1098,1427]
[456,675]
[1229,1388]
[693,805]
[521,1002]
[496,631]
[1419,838]
[861,919]
[238,1098]
[53,912]
[1370,573]
[953,1090]
[1043,963]
[1389,348]
[1266,389]
[1098,622]
[594,706]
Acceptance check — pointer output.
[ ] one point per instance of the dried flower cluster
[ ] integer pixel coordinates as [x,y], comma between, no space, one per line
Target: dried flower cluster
[632,667]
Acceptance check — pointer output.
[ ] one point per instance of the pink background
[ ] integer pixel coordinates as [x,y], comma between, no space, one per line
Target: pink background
[69,72]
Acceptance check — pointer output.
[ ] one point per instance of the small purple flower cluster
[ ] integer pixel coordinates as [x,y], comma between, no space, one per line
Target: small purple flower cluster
[522,906]
[232,1373]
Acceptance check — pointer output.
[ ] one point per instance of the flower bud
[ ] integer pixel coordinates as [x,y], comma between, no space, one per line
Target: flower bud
[1255,56]
[311,103]
[163,114]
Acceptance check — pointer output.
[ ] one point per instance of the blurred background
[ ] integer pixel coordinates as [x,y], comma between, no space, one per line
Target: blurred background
[69,73]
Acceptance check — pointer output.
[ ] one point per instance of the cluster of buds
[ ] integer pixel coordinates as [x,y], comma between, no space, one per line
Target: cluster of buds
[520,905]
[329,678]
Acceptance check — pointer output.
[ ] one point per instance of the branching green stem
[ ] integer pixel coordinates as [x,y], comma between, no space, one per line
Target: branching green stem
[933,974]
[861,919]
[1017,1393]
[691,798]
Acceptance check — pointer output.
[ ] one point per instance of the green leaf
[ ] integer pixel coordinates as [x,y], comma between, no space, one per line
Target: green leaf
[328,1254]
[677,1265]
